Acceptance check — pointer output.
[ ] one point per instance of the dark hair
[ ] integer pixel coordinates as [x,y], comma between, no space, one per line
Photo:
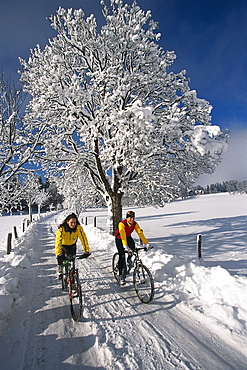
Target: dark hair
[130,214]
[69,217]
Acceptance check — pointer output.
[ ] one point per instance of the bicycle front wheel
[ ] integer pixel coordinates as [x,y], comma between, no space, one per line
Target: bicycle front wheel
[143,283]
[75,297]
[115,270]
[64,281]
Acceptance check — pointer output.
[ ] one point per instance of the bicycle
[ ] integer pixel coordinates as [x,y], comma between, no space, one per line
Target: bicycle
[70,282]
[142,277]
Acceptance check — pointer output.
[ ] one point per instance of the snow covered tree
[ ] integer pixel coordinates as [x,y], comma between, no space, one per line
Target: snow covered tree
[11,194]
[41,199]
[106,100]
[77,190]
[15,149]
[31,192]
[55,199]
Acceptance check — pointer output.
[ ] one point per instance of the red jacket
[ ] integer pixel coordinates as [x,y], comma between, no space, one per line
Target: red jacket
[125,230]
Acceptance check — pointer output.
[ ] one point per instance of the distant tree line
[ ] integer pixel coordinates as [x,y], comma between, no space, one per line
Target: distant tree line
[232,186]
[29,195]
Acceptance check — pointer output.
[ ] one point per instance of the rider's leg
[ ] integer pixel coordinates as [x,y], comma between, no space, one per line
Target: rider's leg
[121,254]
[60,259]
[131,244]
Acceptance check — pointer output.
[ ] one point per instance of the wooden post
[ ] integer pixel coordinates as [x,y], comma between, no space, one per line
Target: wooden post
[199,246]
[94,221]
[15,232]
[9,243]
[23,225]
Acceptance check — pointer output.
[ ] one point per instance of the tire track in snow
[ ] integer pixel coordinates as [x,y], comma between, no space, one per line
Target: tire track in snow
[41,333]
[174,345]
[123,331]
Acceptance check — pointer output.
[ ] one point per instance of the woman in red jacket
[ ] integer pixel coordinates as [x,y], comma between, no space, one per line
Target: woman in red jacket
[125,242]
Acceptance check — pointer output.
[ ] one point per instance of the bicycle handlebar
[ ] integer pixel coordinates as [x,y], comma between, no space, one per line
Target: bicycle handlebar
[77,257]
[139,249]
[81,256]
[144,248]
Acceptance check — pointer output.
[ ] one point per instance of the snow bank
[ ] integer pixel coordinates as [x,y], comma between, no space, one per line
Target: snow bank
[211,291]
[208,290]
[11,266]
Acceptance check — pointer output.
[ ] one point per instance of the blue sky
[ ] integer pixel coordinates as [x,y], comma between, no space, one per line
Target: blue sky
[209,38]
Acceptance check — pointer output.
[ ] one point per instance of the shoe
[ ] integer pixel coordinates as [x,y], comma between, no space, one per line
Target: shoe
[121,280]
[59,272]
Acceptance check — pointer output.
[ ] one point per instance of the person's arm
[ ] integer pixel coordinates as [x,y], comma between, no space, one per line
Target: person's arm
[140,233]
[83,239]
[58,242]
[121,228]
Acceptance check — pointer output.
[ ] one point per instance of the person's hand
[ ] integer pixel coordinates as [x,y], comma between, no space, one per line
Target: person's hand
[147,247]
[128,249]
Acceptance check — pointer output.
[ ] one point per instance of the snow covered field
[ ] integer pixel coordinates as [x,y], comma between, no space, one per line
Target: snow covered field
[197,320]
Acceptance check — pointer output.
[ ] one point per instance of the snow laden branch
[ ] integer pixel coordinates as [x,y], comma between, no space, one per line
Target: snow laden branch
[107,101]
[14,148]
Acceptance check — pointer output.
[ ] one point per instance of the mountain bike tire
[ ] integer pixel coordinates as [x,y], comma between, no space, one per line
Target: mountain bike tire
[75,297]
[115,270]
[64,281]
[143,283]
[115,266]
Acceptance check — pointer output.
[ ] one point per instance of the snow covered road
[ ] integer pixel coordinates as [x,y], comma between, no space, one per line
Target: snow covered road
[116,331]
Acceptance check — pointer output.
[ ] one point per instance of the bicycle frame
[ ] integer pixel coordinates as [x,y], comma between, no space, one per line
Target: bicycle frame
[67,264]
[136,261]
[142,277]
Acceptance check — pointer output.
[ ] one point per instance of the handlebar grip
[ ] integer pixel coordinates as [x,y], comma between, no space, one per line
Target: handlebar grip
[81,256]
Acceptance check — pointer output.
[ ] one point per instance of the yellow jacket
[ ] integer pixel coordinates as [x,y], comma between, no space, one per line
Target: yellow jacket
[66,238]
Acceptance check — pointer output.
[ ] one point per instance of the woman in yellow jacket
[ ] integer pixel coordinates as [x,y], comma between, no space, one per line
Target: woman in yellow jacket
[66,236]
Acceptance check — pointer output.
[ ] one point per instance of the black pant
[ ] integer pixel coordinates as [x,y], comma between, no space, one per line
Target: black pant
[121,252]
[69,250]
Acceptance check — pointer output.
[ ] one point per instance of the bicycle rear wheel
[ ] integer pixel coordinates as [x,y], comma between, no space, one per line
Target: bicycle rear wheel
[115,269]
[143,283]
[75,296]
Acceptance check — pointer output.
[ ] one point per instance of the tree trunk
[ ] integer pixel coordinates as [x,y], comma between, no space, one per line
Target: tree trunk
[39,207]
[30,212]
[114,204]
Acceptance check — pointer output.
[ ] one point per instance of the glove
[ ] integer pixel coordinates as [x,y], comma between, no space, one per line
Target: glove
[147,247]
[86,254]
[127,249]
